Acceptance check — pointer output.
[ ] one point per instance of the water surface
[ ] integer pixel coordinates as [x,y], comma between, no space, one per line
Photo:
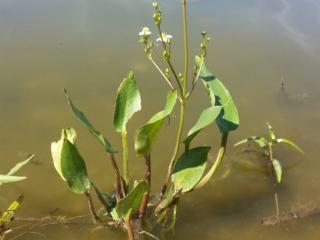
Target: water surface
[89,46]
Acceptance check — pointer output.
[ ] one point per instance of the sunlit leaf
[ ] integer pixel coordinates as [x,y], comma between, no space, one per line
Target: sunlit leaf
[68,162]
[271,132]
[290,143]
[228,119]
[190,168]
[8,179]
[207,117]
[147,135]
[277,170]
[128,205]
[128,102]
[261,141]
[82,117]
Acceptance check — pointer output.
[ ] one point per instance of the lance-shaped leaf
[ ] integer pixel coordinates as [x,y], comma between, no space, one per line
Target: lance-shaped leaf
[228,119]
[277,169]
[190,168]
[128,102]
[128,205]
[82,117]
[290,143]
[261,141]
[9,178]
[147,135]
[69,163]
[207,117]
[271,132]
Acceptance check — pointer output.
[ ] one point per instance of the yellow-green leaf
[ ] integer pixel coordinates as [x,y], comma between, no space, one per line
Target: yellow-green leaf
[69,163]
[128,102]
[206,118]
[190,168]
[128,205]
[147,134]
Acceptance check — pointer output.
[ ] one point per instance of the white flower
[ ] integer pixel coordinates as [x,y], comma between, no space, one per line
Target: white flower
[145,32]
[165,37]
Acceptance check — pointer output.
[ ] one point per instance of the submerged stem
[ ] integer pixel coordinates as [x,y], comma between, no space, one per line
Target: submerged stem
[125,156]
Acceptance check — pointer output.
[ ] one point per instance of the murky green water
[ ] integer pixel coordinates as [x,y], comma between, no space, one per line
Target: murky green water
[88,46]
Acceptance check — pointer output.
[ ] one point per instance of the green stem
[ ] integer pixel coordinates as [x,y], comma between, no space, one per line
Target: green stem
[168,60]
[161,72]
[130,231]
[219,158]
[125,157]
[177,146]
[186,48]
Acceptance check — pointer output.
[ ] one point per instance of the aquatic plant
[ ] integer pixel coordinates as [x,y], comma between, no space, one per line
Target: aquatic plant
[274,164]
[131,205]
[7,215]
[267,146]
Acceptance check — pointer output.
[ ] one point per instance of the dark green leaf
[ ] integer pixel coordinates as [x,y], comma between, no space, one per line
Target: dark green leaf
[128,205]
[228,119]
[82,117]
[147,135]
[206,118]
[290,143]
[277,170]
[68,162]
[128,102]
[190,168]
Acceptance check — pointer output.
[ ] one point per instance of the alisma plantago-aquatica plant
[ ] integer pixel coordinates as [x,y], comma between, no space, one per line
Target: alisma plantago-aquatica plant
[274,164]
[188,169]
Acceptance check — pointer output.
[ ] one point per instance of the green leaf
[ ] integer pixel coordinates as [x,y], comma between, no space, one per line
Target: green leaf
[228,119]
[277,169]
[8,179]
[68,162]
[128,205]
[290,143]
[190,168]
[206,118]
[147,135]
[271,132]
[82,117]
[128,102]
[261,141]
